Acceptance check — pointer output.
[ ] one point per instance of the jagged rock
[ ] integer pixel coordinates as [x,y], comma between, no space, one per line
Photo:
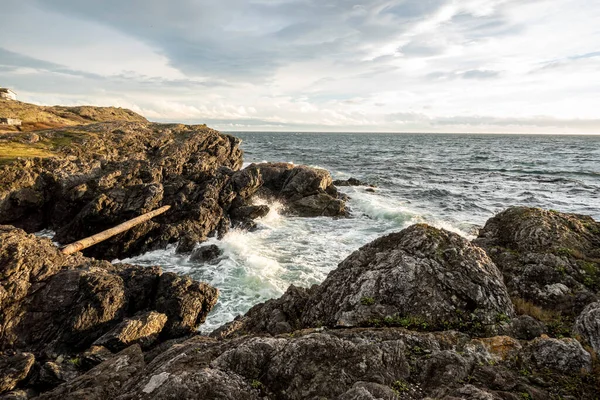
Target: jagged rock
[206,253]
[565,356]
[321,204]
[347,364]
[274,316]
[434,277]
[13,369]
[350,182]
[422,277]
[142,329]
[244,213]
[52,374]
[588,325]
[53,303]
[94,356]
[112,172]
[369,391]
[104,381]
[185,302]
[547,258]
[305,191]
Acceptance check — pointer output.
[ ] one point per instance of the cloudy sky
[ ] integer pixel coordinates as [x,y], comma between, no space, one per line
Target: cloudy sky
[315,65]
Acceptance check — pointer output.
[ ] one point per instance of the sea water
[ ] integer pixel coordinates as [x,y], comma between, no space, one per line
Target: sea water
[455,182]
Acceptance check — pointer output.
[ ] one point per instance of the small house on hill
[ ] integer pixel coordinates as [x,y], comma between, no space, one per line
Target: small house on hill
[10,121]
[7,94]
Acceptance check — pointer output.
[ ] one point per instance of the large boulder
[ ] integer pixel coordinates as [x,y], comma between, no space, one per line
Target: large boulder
[51,303]
[143,328]
[548,259]
[305,191]
[560,355]
[421,277]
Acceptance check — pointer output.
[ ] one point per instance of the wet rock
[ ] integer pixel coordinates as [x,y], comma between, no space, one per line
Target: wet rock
[206,253]
[547,258]
[142,329]
[350,182]
[305,191]
[249,212]
[318,205]
[565,356]
[185,302]
[274,316]
[588,325]
[14,368]
[103,381]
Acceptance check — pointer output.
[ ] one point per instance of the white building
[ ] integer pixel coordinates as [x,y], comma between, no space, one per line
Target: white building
[7,94]
[10,121]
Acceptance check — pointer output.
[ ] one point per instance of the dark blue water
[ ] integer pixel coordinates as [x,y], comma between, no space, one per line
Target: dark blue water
[459,178]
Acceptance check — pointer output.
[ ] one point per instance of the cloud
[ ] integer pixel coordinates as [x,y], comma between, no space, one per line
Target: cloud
[335,65]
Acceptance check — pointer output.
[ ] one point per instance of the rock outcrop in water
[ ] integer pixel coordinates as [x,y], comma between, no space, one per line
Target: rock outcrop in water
[109,173]
[305,191]
[422,277]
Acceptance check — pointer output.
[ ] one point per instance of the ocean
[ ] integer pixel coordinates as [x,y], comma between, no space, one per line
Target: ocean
[451,181]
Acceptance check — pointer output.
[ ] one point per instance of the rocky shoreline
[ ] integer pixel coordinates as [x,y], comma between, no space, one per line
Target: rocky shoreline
[422,313]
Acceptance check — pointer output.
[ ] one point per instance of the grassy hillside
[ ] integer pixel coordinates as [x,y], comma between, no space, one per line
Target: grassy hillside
[44,117]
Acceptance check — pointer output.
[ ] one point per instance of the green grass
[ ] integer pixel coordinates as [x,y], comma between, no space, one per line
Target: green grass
[47,146]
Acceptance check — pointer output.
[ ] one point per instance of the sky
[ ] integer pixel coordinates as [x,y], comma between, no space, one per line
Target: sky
[489,66]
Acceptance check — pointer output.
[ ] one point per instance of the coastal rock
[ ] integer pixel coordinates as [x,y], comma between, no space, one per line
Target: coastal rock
[13,369]
[351,364]
[142,329]
[185,302]
[244,214]
[588,325]
[350,182]
[112,172]
[565,356]
[274,316]
[305,191]
[52,374]
[206,253]
[54,303]
[421,277]
[549,259]
[104,381]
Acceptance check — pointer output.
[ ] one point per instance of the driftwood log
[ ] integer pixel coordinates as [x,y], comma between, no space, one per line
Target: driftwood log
[102,236]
